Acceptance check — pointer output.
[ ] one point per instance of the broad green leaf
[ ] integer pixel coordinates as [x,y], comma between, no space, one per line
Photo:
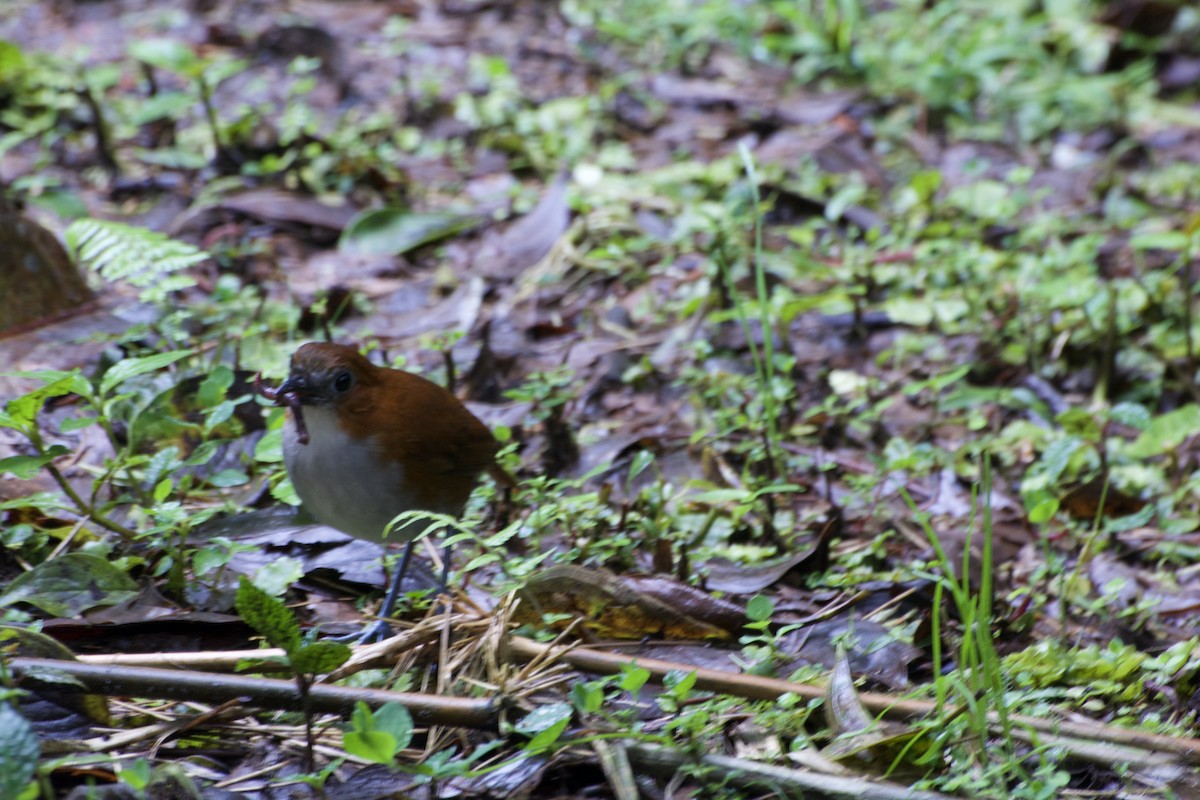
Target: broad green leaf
[77,423]
[545,724]
[721,496]
[268,616]
[164,105]
[19,751]
[1057,455]
[395,719]
[20,412]
[136,775]
[377,747]
[131,367]
[1166,432]
[679,682]
[213,388]
[209,559]
[285,492]
[269,449]
[914,311]
[394,231]
[1135,415]
[362,718]
[320,658]
[278,574]
[544,718]
[1043,511]
[12,60]
[1162,240]
[25,467]
[222,69]
[229,477]
[759,608]
[588,696]
[633,678]
[71,584]
[168,54]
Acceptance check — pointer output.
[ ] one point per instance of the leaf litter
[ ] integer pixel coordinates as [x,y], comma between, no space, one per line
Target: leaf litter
[621,311]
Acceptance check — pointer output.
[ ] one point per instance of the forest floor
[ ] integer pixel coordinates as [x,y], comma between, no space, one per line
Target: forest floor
[845,354]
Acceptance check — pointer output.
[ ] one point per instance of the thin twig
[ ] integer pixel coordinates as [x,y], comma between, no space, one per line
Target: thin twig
[214,687]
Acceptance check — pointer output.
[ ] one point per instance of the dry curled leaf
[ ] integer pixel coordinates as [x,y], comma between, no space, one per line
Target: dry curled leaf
[613,607]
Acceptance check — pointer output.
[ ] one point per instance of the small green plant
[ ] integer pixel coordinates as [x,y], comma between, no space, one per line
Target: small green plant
[305,659]
[149,260]
[759,643]
[19,753]
[205,74]
[977,682]
[377,736]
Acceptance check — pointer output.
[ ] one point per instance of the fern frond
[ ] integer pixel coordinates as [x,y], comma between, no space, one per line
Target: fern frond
[144,258]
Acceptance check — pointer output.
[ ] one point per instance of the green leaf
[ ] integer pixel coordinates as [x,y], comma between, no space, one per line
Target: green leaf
[77,423]
[268,616]
[1166,432]
[320,658]
[269,449]
[759,608]
[136,775]
[12,60]
[1057,456]
[1135,415]
[144,258]
[394,231]
[71,584]
[169,54]
[717,497]
[20,412]
[480,560]
[377,747]
[395,719]
[25,467]
[275,576]
[1162,240]
[1044,510]
[545,724]
[544,718]
[679,682]
[633,678]
[588,696]
[19,752]
[208,559]
[362,718]
[164,105]
[131,367]
[213,388]
[229,477]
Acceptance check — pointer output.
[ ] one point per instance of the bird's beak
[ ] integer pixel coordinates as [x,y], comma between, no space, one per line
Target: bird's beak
[295,386]
[291,393]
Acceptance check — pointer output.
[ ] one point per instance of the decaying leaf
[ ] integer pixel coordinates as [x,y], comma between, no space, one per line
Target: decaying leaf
[612,607]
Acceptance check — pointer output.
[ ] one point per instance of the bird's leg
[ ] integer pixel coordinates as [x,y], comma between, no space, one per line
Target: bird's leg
[445,574]
[381,629]
[393,594]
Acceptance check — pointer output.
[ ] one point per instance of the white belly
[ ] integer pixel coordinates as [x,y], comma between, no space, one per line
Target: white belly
[341,480]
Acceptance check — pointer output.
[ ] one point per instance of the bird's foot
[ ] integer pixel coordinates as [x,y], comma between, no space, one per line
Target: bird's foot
[377,631]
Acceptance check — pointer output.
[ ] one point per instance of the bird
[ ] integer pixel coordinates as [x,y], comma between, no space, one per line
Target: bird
[367,443]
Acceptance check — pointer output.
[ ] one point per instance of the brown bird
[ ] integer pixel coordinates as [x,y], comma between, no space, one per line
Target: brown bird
[369,443]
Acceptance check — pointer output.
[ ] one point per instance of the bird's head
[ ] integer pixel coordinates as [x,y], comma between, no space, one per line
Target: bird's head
[325,374]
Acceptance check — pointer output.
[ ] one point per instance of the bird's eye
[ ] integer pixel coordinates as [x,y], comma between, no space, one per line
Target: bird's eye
[343,381]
